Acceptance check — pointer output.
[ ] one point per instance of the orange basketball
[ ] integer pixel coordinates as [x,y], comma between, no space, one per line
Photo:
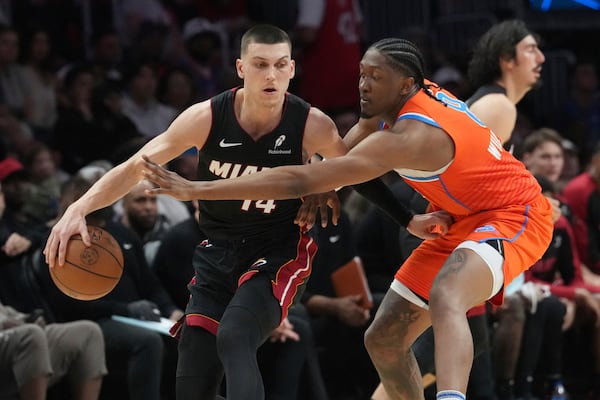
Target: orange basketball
[90,272]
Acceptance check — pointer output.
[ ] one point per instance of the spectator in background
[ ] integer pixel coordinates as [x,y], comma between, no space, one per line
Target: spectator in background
[176,89]
[451,79]
[16,191]
[141,216]
[578,117]
[90,123]
[62,19]
[140,102]
[20,235]
[329,30]
[205,45]
[44,183]
[148,356]
[229,15]
[559,270]
[107,56]
[572,166]
[15,136]
[138,20]
[118,130]
[542,153]
[539,308]
[76,134]
[39,70]
[579,194]
[13,81]
[35,355]
[174,210]
[15,94]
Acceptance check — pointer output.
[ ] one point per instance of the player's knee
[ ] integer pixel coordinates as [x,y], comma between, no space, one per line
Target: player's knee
[378,341]
[373,343]
[444,299]
[32,341]
[85,335]
[239,328]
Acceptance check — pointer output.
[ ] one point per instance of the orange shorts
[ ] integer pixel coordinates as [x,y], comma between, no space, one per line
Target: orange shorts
[526,232]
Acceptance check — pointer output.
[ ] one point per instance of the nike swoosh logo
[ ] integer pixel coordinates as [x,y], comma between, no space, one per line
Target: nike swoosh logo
[334,239]
[222,143]
[258,263]
[127,246]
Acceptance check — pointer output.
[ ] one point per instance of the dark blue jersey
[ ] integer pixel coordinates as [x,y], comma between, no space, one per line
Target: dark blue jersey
[230,152]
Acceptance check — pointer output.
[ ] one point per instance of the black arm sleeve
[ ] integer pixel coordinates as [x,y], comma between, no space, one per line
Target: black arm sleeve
[377,192]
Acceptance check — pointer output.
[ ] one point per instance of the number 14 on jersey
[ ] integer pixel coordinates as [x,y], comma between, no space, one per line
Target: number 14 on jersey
[265,205]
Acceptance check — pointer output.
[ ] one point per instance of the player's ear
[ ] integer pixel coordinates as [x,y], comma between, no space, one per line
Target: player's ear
[406,85]
[239,67]
[506,62]
[293,68]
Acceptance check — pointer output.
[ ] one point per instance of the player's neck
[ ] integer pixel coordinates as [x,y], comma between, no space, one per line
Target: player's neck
[514,91]
[258,120]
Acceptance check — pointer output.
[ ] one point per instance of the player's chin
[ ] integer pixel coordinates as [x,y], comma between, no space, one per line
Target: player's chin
[365,113]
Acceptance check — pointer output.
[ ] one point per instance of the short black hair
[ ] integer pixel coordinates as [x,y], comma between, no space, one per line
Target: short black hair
[265,34]
[499,41]
[403,55]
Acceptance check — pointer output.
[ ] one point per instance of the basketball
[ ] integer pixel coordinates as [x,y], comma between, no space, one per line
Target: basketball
[90,272]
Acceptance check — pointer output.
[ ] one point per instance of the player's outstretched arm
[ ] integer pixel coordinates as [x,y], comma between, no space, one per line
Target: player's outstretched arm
[189,129]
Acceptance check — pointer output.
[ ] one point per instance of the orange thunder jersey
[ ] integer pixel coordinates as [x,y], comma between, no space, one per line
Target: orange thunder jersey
[482,175]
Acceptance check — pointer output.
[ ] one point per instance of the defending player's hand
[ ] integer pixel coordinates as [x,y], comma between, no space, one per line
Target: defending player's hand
[431,225]
[322,202]
[283,332]
[168,182]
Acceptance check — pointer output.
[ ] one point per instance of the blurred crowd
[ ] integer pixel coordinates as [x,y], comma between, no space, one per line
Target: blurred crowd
[83,85]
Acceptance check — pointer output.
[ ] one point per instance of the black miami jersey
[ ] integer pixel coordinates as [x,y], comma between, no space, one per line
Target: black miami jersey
[230,152]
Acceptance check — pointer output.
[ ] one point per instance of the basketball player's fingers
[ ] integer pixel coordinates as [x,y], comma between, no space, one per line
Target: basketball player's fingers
[335,211]
[50,251]
[306,213]
[85,236]
[324,216]
[148,163]
[154,190]
[62,251]
[151,171]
